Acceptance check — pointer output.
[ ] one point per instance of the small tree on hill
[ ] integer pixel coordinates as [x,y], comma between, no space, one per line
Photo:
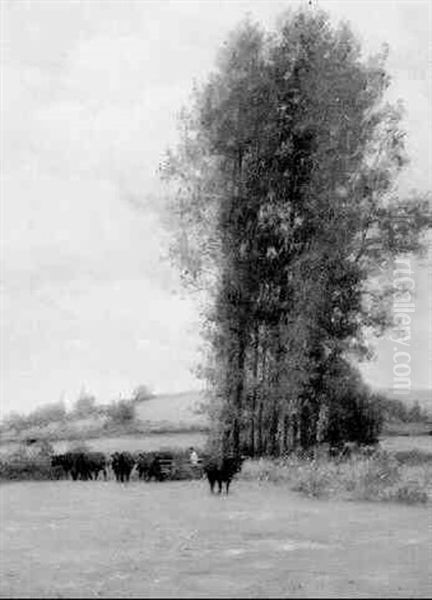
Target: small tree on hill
[142,393]
[121,412]
[85,405]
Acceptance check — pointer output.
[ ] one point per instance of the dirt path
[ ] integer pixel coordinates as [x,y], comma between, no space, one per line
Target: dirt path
[84,539]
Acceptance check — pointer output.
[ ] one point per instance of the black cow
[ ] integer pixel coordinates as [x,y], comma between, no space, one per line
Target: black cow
[73,463]
[148,466]
[63,461]
[97,463]
[122,464]
[80,465]
[222,470]
[143,461]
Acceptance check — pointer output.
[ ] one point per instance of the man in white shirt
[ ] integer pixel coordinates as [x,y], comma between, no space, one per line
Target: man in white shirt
[193,457]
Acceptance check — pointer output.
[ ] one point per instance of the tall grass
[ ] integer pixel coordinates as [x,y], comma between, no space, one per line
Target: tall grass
[379,478]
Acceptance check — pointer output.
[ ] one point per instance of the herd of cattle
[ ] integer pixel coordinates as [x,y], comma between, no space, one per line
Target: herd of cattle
[158,466]
[80,465]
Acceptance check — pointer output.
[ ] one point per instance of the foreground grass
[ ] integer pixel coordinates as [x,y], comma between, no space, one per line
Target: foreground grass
[96,539]
[403,477]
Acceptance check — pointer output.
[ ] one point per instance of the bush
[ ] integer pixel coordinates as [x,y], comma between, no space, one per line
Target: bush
[121,412]
[43,415]
[406,493]
[142,393]
[85,406]
[25,470]
[26,465]
[316,480]
[266,470]
[47,414]
[378,478]
[364,479]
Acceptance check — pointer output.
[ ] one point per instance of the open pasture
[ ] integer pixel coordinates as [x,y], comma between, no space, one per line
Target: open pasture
[400,443]
[173,410]
[102,539]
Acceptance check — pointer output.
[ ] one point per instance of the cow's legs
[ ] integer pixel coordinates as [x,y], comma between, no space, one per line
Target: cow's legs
[220,485]
[227,485]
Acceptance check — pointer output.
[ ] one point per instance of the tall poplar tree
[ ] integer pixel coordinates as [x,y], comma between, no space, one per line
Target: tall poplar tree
[286,206]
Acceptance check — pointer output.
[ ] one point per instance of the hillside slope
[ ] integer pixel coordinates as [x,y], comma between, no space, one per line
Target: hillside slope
[180,410]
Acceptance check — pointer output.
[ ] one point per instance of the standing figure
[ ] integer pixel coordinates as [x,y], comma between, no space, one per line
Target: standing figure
[193,457]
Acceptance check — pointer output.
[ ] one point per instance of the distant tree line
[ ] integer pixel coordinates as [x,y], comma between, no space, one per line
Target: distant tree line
[118,411]
[285,211]
[394,410]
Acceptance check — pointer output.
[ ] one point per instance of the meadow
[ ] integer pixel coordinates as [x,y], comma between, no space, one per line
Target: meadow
[284,530]
[102,539]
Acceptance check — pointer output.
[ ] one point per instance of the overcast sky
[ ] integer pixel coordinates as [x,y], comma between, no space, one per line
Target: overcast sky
[90,94]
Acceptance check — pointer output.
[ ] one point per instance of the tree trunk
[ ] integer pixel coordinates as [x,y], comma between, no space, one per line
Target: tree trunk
[239,392]
[260,436]
[254,391]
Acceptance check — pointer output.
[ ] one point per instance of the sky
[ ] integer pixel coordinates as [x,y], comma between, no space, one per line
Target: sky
[90,94]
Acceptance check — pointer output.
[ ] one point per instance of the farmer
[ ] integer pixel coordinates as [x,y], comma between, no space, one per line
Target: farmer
[193,457]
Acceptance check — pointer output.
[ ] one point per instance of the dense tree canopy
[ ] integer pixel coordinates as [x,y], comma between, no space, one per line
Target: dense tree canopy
[286,206]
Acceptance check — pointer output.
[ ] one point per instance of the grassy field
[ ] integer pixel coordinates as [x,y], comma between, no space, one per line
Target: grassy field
[101,539]
[179,410]
[398,443]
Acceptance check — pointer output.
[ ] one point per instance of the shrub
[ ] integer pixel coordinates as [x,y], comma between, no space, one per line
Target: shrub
[142,393]
[378,478]
[85,406]
[265,469]
[48,413]
[25,465]
[364,479]
[315,479]
[121,412]
[25,470]
[406,493]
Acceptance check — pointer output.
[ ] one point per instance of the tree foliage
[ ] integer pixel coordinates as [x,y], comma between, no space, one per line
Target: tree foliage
[121,411]
[85,405]
[286,207]
[142,393]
